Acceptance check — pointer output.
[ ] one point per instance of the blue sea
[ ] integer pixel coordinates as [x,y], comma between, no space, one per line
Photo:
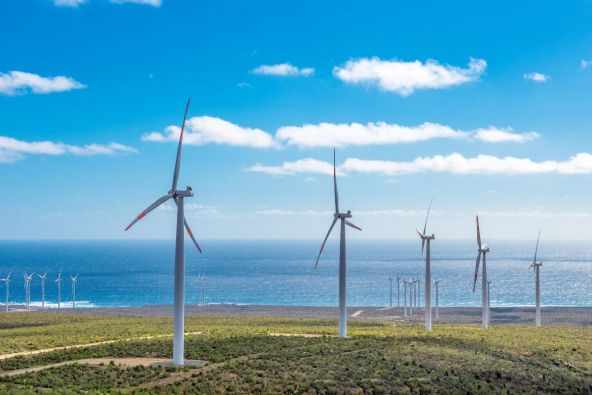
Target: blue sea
[138,273]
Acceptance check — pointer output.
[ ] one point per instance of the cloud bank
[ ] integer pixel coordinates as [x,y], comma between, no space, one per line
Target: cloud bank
[12,149]
[454,164]
[283,70]
[404,78]
[19,82]
[205,130]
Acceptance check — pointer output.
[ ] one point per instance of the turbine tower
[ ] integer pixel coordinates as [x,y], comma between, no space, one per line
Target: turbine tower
[398,291]
[536,266]
[342,258]
[405,296]
[28,289]
[42,289]
[59,283]
[74,279]
[488,302]
[483,250]
[425,242]
[178,197]
[7,285]
[391,291]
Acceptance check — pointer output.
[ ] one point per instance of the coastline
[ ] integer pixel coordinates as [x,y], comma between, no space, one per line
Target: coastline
[551,315]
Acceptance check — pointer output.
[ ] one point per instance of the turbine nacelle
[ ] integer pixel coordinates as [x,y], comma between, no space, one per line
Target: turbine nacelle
[343,215]
[188,192]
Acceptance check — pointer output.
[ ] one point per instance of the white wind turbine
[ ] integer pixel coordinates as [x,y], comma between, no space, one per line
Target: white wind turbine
[483,250]
[178,197]
[342,257]
[489,302]
[391,291]
[405,296]
[42,288]
[28,289]
[7,285]
[74,279]
[201,280]
[398,291]
[536,266]
[59,283]
[425,239]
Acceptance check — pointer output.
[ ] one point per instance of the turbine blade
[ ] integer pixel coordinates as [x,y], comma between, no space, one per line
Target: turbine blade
[150,208]
[419,233]
[476,271]
[324,241]
[191,235]
[188,229]
[352,225]
[178,161]
[335,184]
[537,247]
[478,232]
[427,216]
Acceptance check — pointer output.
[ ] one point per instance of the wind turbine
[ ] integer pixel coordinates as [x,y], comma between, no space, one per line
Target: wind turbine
[342,257]
[178,197]
[391,291]
[536,266]
[436,283]
[7,285]
[28,289]
[74,279]
[405,296]
[59,283]
[425,239]
[483,250]
[201,280]
[398,291]
[42,289]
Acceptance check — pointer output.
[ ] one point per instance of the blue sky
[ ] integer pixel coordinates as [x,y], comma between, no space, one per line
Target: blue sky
[482,106]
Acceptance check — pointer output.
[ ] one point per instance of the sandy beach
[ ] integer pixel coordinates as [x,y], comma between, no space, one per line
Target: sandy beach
[554,316]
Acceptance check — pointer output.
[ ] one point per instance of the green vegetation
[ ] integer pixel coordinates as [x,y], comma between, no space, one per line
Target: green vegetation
[243,358]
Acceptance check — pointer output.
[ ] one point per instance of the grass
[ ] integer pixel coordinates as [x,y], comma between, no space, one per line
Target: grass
[242,357]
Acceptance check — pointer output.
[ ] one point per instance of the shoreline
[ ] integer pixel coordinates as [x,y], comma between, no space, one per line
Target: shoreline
[551,315]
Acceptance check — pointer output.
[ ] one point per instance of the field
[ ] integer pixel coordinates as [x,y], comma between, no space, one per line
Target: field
[290,355]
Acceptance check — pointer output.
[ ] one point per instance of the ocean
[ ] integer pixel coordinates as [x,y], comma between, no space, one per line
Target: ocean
[138,273]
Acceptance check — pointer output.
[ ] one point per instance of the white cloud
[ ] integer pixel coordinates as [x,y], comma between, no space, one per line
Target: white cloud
[405,78]
[536,214]
[585,64]
[68,3]
[497,135]
[154,3]
[307,165]
[12,149]
[482,164]
[204,130]
[17,82]
[371,213]
[283,69]
[340,135]
[536,77]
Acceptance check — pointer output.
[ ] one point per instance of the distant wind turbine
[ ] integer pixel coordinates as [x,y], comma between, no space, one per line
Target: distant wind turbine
[398,291]
[74,279]
[342,257]
[7,285]
[178,197]
[201,280]
[59,283]
[391,291]
[425,242]
[28,289]
[483,250]
[42,288]
[405,296]
[536,266]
